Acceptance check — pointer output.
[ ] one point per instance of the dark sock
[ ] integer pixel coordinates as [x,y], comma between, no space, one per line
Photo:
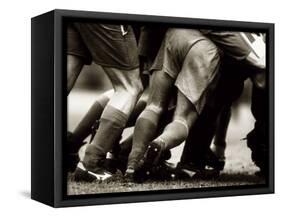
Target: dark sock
[145,131]
[200,136]
[84,128]
[222,126]
[174,134]
[110,129]
[221,131]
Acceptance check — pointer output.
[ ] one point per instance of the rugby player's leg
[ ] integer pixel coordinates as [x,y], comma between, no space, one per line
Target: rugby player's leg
[77,55]
[147,123]
[199,139]
[228,89]
[176,132]
[125,146]
[220,133]
[257,139]
[259,76]
[128,87]
[121,155]
[140,106]
[74,67]
[118,156]
[198,71]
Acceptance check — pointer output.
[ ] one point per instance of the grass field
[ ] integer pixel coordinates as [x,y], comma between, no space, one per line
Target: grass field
[239,169]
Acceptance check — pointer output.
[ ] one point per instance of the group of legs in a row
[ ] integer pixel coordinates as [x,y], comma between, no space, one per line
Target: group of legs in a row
[173,85]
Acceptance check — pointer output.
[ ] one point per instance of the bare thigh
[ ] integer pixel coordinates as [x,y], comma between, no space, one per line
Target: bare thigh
[127,86]
[74,67]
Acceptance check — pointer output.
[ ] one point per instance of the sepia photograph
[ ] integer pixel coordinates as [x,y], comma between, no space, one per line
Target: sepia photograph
[154,107]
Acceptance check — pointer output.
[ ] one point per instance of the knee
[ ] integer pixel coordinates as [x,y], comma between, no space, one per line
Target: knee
[133,89]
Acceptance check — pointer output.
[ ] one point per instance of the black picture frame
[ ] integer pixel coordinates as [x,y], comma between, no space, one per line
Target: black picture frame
[49,104]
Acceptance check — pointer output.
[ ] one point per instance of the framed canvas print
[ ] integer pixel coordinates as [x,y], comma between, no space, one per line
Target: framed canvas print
[133,108]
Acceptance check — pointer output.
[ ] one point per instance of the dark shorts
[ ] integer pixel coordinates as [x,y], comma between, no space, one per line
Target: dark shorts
[150,41]
[76,46]
[192,60]
[107,45]
[232,43]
